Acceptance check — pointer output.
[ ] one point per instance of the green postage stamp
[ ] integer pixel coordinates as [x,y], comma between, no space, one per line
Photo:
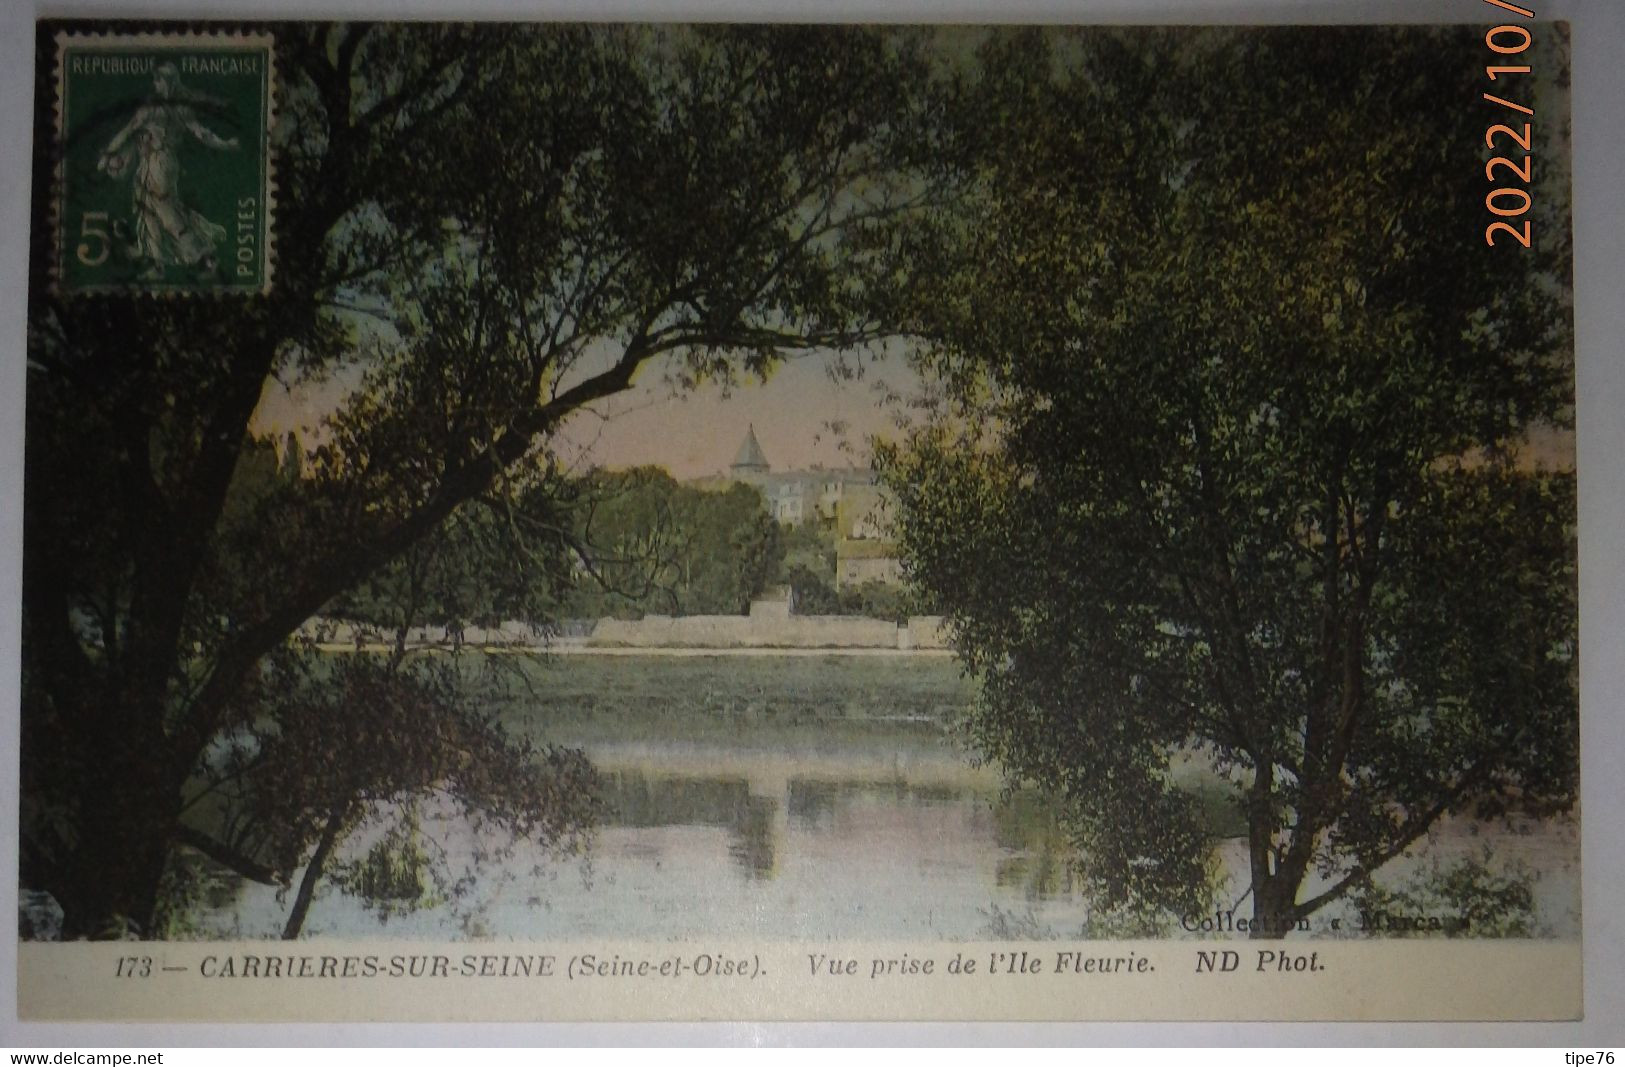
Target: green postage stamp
[164,183]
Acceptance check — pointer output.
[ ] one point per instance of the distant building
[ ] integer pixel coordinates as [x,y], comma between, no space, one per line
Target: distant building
[864,550]
[847,497]
[793,497]
[750,462]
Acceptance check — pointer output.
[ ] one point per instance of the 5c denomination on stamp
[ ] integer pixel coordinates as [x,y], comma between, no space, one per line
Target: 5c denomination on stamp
[164,169]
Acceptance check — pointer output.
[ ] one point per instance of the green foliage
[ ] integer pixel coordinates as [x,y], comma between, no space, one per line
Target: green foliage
[650,544]
[391,876]
[497,559]
[1230,458]
[342,739]
[1467,898]
[811,547]
[1008,925]
[814,593]
[718,196]
[880,600]
[191,883]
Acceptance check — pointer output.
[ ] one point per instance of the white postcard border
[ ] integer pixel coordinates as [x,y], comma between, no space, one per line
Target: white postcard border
[1598,30]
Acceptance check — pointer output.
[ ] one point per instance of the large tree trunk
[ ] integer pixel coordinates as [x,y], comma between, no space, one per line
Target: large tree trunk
[1269,895]
[1273,902]
[112,800]
[1274,888]
[109,885]
[313,873]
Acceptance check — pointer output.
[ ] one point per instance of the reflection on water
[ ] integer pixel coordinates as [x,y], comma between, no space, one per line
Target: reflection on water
[814,802]
[1025,828]
[646,801]
[1021,828]
[769,844]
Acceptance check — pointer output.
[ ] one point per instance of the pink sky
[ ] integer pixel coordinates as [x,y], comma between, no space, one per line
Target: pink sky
[804,417]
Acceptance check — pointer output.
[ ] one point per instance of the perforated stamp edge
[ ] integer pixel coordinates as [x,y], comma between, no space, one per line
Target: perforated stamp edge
[179,38]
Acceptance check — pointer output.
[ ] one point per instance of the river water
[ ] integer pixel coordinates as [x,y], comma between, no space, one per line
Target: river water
[843,832]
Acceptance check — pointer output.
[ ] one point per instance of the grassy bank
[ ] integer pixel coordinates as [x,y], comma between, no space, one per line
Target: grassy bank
[755,701]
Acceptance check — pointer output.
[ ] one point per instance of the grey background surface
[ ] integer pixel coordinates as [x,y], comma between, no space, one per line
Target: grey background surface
[1598,33]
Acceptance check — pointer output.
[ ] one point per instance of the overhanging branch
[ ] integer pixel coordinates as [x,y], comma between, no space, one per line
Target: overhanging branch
[228,857]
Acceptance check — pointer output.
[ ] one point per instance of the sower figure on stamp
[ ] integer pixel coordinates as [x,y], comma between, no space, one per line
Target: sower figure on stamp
[167,232]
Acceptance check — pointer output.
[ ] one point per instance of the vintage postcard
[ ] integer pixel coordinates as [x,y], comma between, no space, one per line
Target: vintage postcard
[558,521]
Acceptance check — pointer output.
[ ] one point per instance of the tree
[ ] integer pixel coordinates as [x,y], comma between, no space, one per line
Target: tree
[505,556]
[1236,458]
[485,229]
[649,544]
[323,747]
[340,743]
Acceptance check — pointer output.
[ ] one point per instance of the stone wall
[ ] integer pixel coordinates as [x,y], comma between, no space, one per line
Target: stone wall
[924,631]
[336,632]
[740,631]
[757,630]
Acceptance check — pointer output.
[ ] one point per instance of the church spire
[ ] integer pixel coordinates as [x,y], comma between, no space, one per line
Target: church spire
[750,459]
